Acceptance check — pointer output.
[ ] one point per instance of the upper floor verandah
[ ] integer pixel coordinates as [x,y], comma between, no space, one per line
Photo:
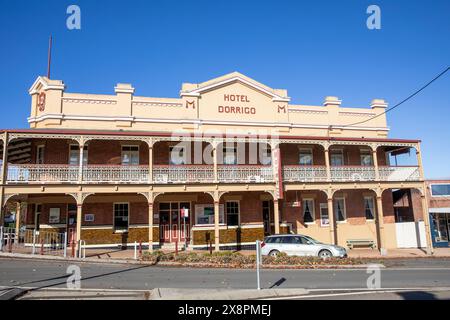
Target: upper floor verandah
[53,156]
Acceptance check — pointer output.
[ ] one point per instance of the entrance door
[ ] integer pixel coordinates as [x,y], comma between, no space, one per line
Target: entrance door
[71,223]
[266,216]
[172,224]
[441,229]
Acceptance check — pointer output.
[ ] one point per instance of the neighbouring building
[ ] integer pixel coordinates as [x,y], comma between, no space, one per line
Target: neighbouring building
[439,206]
[115,169]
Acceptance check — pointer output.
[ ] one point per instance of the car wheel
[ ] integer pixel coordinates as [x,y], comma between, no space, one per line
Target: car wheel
[325,254]
[274,253]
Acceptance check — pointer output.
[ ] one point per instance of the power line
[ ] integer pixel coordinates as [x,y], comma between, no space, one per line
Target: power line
[403,101]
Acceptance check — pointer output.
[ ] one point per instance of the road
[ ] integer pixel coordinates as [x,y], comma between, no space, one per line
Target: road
[52,274]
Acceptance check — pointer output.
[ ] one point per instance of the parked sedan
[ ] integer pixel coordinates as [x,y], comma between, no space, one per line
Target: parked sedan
[300,245]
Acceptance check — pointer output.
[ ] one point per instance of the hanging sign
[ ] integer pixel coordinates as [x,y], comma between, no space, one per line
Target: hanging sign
[185,213]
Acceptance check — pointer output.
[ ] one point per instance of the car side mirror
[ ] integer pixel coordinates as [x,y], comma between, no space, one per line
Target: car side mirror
[308,242]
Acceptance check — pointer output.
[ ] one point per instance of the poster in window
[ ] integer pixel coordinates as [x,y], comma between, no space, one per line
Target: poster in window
[54,215]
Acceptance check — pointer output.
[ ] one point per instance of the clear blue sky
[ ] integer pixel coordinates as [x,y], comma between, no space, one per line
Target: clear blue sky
[311,48]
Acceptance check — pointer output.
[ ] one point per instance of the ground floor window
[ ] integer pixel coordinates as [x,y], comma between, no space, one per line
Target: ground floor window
[339,209]
[232,210]
[369,208]
[308,210]
[324,219]
[121,214]
[204,214]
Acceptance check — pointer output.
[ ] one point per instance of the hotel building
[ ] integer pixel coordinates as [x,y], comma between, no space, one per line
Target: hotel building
[115,169]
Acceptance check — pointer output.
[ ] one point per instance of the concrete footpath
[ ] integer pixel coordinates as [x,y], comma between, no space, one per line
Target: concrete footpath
[23,293]
[223,294]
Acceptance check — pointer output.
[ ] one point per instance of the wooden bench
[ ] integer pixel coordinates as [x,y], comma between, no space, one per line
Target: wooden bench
[351,243]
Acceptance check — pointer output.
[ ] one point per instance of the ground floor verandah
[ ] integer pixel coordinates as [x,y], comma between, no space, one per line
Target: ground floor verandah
[121,219]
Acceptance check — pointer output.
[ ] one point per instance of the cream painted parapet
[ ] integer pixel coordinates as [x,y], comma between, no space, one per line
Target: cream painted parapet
[47,99]
[230,101]
[124,92]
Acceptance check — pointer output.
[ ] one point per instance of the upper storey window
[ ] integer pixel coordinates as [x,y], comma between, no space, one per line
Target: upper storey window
[337,157]
[130,155]
[74,155]
[305,157]
[40,154]
[440,190]
[177,155]
[229,155]
[366,157]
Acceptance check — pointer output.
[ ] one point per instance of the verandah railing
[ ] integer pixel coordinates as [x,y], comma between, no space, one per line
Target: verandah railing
[48,173]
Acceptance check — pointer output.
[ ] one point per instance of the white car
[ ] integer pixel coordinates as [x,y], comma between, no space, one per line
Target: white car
[300,245]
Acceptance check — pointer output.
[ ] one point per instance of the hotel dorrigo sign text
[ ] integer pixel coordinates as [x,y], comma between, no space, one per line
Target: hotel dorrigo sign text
[236,103]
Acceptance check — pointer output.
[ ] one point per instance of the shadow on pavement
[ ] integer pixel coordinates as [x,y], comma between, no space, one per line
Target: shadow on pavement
[68,275]
[417,295]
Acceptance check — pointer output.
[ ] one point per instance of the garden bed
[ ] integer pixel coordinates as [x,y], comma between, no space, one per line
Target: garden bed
[237,260]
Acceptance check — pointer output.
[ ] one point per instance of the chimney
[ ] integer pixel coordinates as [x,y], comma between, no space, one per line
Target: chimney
[332,101]
[378,103]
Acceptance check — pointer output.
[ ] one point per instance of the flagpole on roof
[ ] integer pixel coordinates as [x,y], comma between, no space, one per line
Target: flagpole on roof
[49,61]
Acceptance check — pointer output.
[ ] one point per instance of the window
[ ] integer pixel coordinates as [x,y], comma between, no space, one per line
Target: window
[305,157]
[74,155]
[274,240]
[54,215]
[177,155]
[440,190]
[130,155]
[232,210]
[366,157]
[369,208]
[308,210]
[40,154]
[89,217]
[204,214]
[121,216]
[339,209]
[229,155]
[324,219]
[337,157]
[292,240]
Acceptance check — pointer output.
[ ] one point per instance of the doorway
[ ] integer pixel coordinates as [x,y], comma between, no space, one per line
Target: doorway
[440,229]
[267,213]
[174,227]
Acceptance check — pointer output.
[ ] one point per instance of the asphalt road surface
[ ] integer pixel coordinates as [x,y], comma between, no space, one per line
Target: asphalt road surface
[428,273]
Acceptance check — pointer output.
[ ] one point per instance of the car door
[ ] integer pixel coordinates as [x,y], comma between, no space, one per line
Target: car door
[296,246]
[308,247]
[287,244]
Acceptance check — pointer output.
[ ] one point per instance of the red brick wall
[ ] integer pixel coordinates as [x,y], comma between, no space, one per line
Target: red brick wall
[354,202]
[290,154]
[55,152]
[45,212]
[99,152]
[294,215]
[104,213]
